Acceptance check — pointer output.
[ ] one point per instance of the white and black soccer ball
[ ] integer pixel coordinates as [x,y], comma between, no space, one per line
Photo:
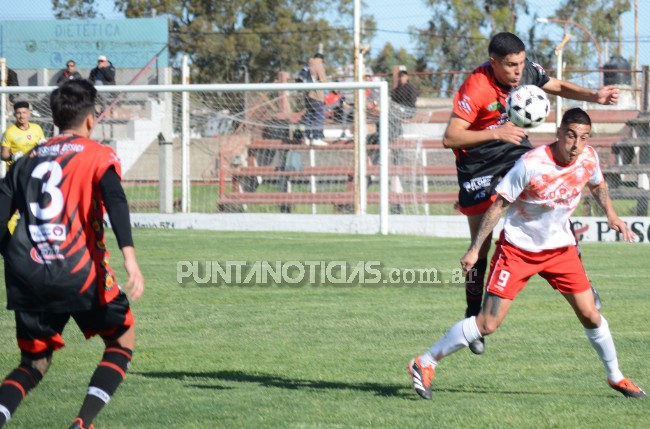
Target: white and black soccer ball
[527,106]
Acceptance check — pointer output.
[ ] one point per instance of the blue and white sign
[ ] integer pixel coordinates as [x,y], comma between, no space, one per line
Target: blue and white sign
[127,43]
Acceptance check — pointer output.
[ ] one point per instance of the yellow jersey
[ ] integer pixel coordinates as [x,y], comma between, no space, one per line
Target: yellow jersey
[22,141]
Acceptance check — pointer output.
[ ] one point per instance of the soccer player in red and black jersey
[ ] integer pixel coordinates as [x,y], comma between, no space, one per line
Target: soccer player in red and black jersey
[56,262]
[486,144]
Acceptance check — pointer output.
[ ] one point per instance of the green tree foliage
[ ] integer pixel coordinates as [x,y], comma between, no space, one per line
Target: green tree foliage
[458,34]
[601,18]
[388,57]
[266,36]
[66,9]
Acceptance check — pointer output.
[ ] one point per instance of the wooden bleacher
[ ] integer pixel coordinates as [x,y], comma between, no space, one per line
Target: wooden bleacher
[629,176]
[604,144]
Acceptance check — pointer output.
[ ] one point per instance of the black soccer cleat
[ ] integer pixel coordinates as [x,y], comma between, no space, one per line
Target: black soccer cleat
[478,346]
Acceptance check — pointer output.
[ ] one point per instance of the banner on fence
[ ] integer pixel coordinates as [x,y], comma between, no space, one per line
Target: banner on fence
[127,43]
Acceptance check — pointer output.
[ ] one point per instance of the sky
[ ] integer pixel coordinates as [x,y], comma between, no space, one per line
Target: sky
[394,19]
[394,22]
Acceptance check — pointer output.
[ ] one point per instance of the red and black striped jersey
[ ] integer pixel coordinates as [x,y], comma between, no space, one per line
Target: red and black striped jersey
[57,259]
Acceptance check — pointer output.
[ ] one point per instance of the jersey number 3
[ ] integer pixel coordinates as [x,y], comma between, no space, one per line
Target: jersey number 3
[50,187]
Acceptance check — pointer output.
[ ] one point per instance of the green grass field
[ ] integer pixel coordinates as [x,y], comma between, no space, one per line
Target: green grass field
[335,356]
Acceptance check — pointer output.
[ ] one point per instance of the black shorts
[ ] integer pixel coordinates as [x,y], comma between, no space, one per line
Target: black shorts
[40,332]
[480,169]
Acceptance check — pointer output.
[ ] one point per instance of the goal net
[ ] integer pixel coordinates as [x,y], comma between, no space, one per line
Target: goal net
[258,148]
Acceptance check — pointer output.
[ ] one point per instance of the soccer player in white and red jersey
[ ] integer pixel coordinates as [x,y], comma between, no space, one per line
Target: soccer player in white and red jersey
[540,192]
[486,144]
[56,262]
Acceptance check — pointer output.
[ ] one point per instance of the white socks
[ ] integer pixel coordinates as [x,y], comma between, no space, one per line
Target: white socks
[601,340]
[457,337]
[466,331]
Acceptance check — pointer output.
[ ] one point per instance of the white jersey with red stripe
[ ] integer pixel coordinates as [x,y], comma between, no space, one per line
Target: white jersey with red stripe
[543,194]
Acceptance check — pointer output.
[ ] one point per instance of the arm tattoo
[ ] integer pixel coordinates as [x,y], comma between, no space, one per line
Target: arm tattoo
[601,195]
[490,220]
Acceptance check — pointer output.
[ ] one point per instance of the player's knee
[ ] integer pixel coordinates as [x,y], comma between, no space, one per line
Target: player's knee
[40,363]
[486,325]
[590,319]
[489,328]
[126,340]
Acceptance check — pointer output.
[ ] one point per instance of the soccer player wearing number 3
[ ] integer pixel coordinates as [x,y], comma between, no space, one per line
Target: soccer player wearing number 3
[540,192]
[56,262]
[486,144]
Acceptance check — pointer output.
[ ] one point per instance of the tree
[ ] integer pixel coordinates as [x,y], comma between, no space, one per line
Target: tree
[458,33]
[66,9]
[265,36]
[601,18]
[387,58]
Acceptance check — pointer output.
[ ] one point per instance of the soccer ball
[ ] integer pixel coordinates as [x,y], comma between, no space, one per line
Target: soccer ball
[527,106]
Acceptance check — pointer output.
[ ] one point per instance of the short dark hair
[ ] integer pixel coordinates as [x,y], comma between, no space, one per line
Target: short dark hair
[575,116]
[503,44]
[21,105]
[72,102]
[70,62]
[318,55]
[402,73]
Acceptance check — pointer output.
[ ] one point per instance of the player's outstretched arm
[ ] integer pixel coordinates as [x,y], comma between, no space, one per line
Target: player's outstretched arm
[459,136]
[135,283]
[601,195]
[606,95]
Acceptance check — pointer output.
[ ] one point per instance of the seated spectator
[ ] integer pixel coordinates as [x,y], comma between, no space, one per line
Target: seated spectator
[68,73]
[104,73]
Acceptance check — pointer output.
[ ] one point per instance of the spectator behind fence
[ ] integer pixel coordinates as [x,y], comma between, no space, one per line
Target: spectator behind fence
[12,80]
[104,73]
[344,112]
[12,77]
[315,104]
[403,98]
[68,73]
